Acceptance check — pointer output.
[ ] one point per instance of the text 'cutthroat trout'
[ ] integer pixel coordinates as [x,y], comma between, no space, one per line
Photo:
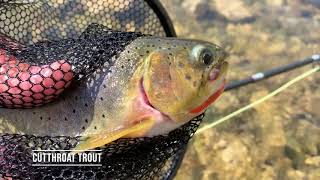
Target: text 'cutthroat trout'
[154,86]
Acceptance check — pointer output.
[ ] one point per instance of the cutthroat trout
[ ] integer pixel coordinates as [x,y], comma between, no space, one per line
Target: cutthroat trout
[154,86]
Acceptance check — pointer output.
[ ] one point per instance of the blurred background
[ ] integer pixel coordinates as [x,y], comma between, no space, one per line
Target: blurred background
[279,139]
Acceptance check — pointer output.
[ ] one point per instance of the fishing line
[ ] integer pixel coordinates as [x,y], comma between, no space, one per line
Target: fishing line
[275,92]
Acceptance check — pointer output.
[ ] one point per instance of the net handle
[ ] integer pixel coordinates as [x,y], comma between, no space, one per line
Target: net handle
[163,16]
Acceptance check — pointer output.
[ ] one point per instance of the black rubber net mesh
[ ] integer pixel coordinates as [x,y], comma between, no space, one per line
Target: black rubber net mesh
[34,34]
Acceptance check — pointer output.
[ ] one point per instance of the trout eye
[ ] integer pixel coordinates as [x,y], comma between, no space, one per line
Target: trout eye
[206,57]
[203,55]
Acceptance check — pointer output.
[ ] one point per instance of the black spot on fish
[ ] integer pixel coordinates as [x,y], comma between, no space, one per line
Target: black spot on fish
[153,45]
[104,86]
[86,105]
[33,112]
[103,116]
[268,162]
[86,120]
[180,64]
[170,54]
[122,66]
[188,77]
[194,83]
[41,118]
[95,127]
[49,118]
[101,98]
[66,119]
[74,111]
[147,52]
[83,128]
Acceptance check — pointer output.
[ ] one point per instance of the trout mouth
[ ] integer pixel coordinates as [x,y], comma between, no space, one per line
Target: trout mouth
[214,73]
[217,71]
[214,76]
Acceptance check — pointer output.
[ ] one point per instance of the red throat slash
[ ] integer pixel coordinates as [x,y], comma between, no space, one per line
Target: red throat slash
[210,100]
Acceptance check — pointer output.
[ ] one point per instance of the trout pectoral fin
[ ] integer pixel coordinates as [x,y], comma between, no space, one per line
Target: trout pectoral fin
[99,140]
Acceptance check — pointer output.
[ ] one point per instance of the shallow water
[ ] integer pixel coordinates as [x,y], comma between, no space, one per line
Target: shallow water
[279,139]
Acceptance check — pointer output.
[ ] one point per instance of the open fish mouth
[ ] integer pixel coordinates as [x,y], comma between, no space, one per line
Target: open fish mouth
[214,74]
[217,71]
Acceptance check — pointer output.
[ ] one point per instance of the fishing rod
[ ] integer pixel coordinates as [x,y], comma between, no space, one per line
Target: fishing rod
[273,72]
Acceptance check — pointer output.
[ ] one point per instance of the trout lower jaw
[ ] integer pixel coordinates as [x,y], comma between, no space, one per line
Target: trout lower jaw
[216,80]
